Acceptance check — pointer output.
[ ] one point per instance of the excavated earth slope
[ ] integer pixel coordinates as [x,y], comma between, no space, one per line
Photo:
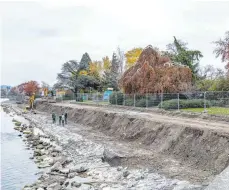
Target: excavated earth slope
[180,147]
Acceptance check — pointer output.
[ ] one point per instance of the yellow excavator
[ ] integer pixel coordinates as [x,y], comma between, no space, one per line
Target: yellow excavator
[31,101]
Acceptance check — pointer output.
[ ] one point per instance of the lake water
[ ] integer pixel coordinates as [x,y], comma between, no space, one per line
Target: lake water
[17,169]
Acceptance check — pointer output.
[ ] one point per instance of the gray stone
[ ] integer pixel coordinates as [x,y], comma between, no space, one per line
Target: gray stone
[113,158]
[40,146]
[119,168]
[54,186]
[125,173]
[65,171]
[43,165]
[66,184]
[71,175]
[81,169]
[75,184]
[56,167]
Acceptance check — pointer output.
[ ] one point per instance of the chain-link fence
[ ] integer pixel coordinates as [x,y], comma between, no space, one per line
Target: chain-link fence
[209,102]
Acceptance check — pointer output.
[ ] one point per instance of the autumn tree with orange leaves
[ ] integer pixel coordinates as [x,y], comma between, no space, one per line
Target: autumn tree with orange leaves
[31,87]
[154,73]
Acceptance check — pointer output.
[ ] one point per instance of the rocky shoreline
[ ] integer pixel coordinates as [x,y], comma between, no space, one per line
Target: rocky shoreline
[88,168]
[58,170]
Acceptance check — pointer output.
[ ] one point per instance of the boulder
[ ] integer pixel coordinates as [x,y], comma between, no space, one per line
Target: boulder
[54,186]
[81,169]
[56,167]
[65,170]
[75,184]
[43,165]
[113,158]
[125,173]
[27,132]
[40,146]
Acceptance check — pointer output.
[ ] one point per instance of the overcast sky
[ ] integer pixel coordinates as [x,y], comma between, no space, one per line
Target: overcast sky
[37,37]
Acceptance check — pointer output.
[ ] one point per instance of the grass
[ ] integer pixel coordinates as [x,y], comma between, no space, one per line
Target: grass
[212,110]
[92,102]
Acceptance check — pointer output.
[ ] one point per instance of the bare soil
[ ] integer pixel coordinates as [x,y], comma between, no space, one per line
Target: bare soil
[192,149]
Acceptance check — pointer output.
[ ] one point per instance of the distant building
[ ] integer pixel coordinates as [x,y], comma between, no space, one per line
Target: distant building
[5,87]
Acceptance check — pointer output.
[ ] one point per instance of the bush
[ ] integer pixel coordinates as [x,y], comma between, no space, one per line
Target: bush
[219,103]
[118,96]
[173,104]
[141,103]
[67,97]
[79,99]
[129,102]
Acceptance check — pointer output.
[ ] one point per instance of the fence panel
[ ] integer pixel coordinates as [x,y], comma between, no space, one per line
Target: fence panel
[209,102]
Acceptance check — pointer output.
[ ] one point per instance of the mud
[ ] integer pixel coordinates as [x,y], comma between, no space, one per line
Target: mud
[178,147]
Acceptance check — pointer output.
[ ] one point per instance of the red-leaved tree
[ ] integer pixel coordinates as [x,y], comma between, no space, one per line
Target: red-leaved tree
[31,87]
[154,73]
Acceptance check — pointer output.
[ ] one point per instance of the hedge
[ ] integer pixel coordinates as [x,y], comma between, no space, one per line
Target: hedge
[116,98]
[193,103]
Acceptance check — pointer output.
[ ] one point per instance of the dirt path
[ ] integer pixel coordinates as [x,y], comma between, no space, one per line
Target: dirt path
[193,122]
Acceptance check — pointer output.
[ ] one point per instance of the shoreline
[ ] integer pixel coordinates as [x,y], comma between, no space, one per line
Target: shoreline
[62,169]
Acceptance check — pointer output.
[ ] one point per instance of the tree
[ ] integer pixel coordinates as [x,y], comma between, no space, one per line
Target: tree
[44,85]
[179,52]
[84,62]
[3,92]
[31,87]
[212,79]
[95,69]
[153,73]
[120,56]
[111,75]
[106,63]
[222,49]
[71,77]
[132,56]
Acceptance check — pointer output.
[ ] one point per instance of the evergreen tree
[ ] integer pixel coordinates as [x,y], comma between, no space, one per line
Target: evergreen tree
[178,52]
[84,62]
[111,75]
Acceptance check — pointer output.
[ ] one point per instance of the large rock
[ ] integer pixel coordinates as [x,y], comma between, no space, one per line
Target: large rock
[113,158]
[54,186]
[27,132]
[56,167]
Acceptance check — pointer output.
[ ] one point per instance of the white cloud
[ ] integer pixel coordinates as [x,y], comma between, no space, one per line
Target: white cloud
[38,36]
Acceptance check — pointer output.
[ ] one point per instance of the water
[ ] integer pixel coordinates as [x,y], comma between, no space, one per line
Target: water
[17,169]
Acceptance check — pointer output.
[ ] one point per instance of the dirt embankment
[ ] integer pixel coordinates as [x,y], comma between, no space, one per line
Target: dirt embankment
[185,148]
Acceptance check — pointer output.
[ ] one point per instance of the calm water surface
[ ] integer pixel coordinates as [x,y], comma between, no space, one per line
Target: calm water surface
[17,169]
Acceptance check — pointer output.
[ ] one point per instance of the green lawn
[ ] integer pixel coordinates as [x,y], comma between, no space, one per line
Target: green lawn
[92,102]
[212,110]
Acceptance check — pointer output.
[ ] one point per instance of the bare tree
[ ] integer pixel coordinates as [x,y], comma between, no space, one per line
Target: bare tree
[120,55]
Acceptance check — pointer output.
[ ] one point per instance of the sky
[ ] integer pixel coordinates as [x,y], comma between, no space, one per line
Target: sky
[37,37]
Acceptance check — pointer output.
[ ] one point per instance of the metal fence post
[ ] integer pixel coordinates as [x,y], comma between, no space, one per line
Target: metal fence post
[178,101]
[146,100]
[134,100]
[205,102]
[161,100]
[116,99]
[97,94]
[124,99]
